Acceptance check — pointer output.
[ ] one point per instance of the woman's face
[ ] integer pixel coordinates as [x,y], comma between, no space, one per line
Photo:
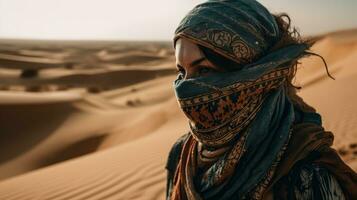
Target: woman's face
[190,60]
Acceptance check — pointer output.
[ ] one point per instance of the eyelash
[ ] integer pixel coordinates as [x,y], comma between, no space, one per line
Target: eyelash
[181,70]
[206,68]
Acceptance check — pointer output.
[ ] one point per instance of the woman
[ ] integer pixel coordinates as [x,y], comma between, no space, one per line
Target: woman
[251,136]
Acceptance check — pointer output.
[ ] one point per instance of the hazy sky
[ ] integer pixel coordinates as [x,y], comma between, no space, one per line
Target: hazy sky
[147,20]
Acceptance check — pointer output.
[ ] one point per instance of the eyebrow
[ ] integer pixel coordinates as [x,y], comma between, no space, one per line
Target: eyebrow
[198,61]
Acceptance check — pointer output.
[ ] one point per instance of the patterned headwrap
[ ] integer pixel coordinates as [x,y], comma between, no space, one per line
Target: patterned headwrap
[240,121]
[241,30]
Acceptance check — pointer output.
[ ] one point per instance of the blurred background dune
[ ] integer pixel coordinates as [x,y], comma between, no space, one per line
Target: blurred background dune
[116,114]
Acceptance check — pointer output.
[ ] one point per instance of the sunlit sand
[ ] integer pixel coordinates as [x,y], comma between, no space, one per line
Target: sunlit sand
[96,120]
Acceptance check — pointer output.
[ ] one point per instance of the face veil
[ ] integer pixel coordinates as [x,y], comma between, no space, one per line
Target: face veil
[218,114]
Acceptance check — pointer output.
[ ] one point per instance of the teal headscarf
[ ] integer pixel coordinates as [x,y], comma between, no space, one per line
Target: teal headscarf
[241,30]
[245,112]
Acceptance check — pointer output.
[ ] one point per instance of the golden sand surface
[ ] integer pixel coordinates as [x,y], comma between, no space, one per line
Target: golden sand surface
[95,120]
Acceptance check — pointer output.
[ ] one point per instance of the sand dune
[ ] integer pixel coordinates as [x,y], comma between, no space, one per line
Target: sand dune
[15,98]
[339,51]
[131,170]
[55,126]
[25,62]
[98,80]
[135,172]
[112,143]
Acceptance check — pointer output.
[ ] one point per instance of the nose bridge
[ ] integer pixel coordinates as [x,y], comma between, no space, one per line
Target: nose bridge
[188,70]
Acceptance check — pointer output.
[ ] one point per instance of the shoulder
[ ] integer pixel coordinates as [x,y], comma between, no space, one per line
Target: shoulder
[312,181]
[174,153]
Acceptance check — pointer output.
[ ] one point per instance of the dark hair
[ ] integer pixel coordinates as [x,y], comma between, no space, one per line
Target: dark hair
[289,36]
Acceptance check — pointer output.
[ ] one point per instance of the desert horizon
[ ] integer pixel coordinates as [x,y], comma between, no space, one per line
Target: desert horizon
[96,119]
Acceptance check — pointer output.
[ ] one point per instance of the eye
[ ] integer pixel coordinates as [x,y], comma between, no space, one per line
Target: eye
[205,70]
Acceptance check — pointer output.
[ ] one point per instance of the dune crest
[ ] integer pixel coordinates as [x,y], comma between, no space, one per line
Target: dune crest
[96,140]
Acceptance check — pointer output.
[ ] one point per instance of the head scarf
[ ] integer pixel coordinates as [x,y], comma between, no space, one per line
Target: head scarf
[240,121]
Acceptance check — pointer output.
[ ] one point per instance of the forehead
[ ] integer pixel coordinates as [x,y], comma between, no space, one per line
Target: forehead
[186,51]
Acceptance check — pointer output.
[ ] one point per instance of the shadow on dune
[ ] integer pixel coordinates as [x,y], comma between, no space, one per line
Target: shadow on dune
[24,126]
[103,81]
[77,149]
[135,59]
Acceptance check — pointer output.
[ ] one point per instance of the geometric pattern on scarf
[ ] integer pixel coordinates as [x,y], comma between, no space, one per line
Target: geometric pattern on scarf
[241,30]
[218,117]
[210,164]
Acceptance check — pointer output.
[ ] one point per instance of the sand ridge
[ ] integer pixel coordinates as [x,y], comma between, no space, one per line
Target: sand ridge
[112,141]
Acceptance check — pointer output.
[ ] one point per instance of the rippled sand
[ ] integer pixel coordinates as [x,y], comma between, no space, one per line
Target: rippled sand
[96,120]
